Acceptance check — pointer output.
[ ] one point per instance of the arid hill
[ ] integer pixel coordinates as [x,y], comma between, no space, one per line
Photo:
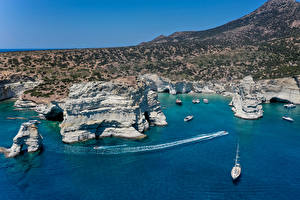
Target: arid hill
[264,43]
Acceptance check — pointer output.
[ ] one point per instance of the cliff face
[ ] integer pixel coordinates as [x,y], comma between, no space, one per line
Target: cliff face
[247,99]
[12,90]
[104,109]
[285,90]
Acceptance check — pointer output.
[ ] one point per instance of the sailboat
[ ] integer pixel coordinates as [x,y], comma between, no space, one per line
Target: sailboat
[237,169]
[289,107]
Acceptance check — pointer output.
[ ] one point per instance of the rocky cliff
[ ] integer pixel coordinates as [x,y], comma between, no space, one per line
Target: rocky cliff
[27,136]
[12,90]
[104,109]
[282,90]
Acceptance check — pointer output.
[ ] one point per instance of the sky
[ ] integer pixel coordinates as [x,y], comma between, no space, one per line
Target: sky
[42,24]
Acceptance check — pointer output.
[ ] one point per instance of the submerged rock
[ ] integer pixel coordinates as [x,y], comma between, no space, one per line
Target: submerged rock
[246,102]
[104,109]
[28,136]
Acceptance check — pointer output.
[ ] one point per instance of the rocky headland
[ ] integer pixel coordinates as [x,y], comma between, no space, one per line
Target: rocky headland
[28,137]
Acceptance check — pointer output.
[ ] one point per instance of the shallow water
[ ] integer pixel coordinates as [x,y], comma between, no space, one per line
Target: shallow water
[269,150]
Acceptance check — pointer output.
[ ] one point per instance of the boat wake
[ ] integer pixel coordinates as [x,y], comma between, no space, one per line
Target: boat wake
[122,149]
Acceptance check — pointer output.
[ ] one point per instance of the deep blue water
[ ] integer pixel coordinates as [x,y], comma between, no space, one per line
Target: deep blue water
[269,150]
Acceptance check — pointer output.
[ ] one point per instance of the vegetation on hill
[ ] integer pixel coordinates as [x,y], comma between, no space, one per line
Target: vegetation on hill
[265,44]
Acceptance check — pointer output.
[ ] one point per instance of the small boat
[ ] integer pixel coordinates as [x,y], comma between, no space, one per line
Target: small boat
[97,147]
[287,118]
[188,118]
[178,102]
[290,105]
[205,100]
[237,169]
[196,101]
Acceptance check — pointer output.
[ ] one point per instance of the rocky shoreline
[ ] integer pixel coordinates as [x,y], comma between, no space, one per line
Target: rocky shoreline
[126,108]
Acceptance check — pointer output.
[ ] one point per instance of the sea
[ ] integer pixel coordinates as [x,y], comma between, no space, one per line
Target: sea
[184,160]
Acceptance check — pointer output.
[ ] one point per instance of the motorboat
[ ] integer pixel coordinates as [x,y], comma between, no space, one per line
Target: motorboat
[288,118]
[178,102]
[188,118]
[290,105]
[196,101]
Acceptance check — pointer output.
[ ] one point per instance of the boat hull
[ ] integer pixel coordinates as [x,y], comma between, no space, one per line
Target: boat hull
[236,173]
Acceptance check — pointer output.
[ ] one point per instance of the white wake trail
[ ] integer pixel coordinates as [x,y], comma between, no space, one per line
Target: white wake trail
[111,150]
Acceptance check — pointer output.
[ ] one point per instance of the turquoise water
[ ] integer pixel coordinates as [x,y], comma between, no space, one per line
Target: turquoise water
[269,150]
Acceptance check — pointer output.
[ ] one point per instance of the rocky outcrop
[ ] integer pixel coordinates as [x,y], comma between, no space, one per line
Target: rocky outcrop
[104,109]
[246,102]
[12,90]
[28,136]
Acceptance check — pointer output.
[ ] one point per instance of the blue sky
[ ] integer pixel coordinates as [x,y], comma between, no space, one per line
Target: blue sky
[109,23]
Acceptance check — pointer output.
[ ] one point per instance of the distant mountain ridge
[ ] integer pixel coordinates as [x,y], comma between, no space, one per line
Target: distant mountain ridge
[274,19]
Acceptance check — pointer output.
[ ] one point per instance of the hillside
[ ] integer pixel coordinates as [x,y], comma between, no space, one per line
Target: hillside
[264,43]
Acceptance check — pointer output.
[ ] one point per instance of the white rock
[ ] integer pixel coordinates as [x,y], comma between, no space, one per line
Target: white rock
[102,109]
[28,136]
[245,103]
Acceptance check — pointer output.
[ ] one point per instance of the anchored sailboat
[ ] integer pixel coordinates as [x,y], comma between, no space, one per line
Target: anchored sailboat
[289,107]
[237,169]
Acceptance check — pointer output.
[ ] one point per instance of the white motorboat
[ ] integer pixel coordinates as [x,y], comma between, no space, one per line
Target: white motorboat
[288,118]
[205,100]
[290,105]
[196,101]
[188,118]
[178,102]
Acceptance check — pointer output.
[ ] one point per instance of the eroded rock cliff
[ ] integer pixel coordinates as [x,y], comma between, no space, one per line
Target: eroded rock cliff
[104,109]
[246,102]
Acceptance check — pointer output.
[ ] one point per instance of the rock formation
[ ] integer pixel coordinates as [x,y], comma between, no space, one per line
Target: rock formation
[104,109]
[28,136]
[246,101]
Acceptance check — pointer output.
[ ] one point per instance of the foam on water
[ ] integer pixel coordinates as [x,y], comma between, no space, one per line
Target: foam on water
[122,149]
